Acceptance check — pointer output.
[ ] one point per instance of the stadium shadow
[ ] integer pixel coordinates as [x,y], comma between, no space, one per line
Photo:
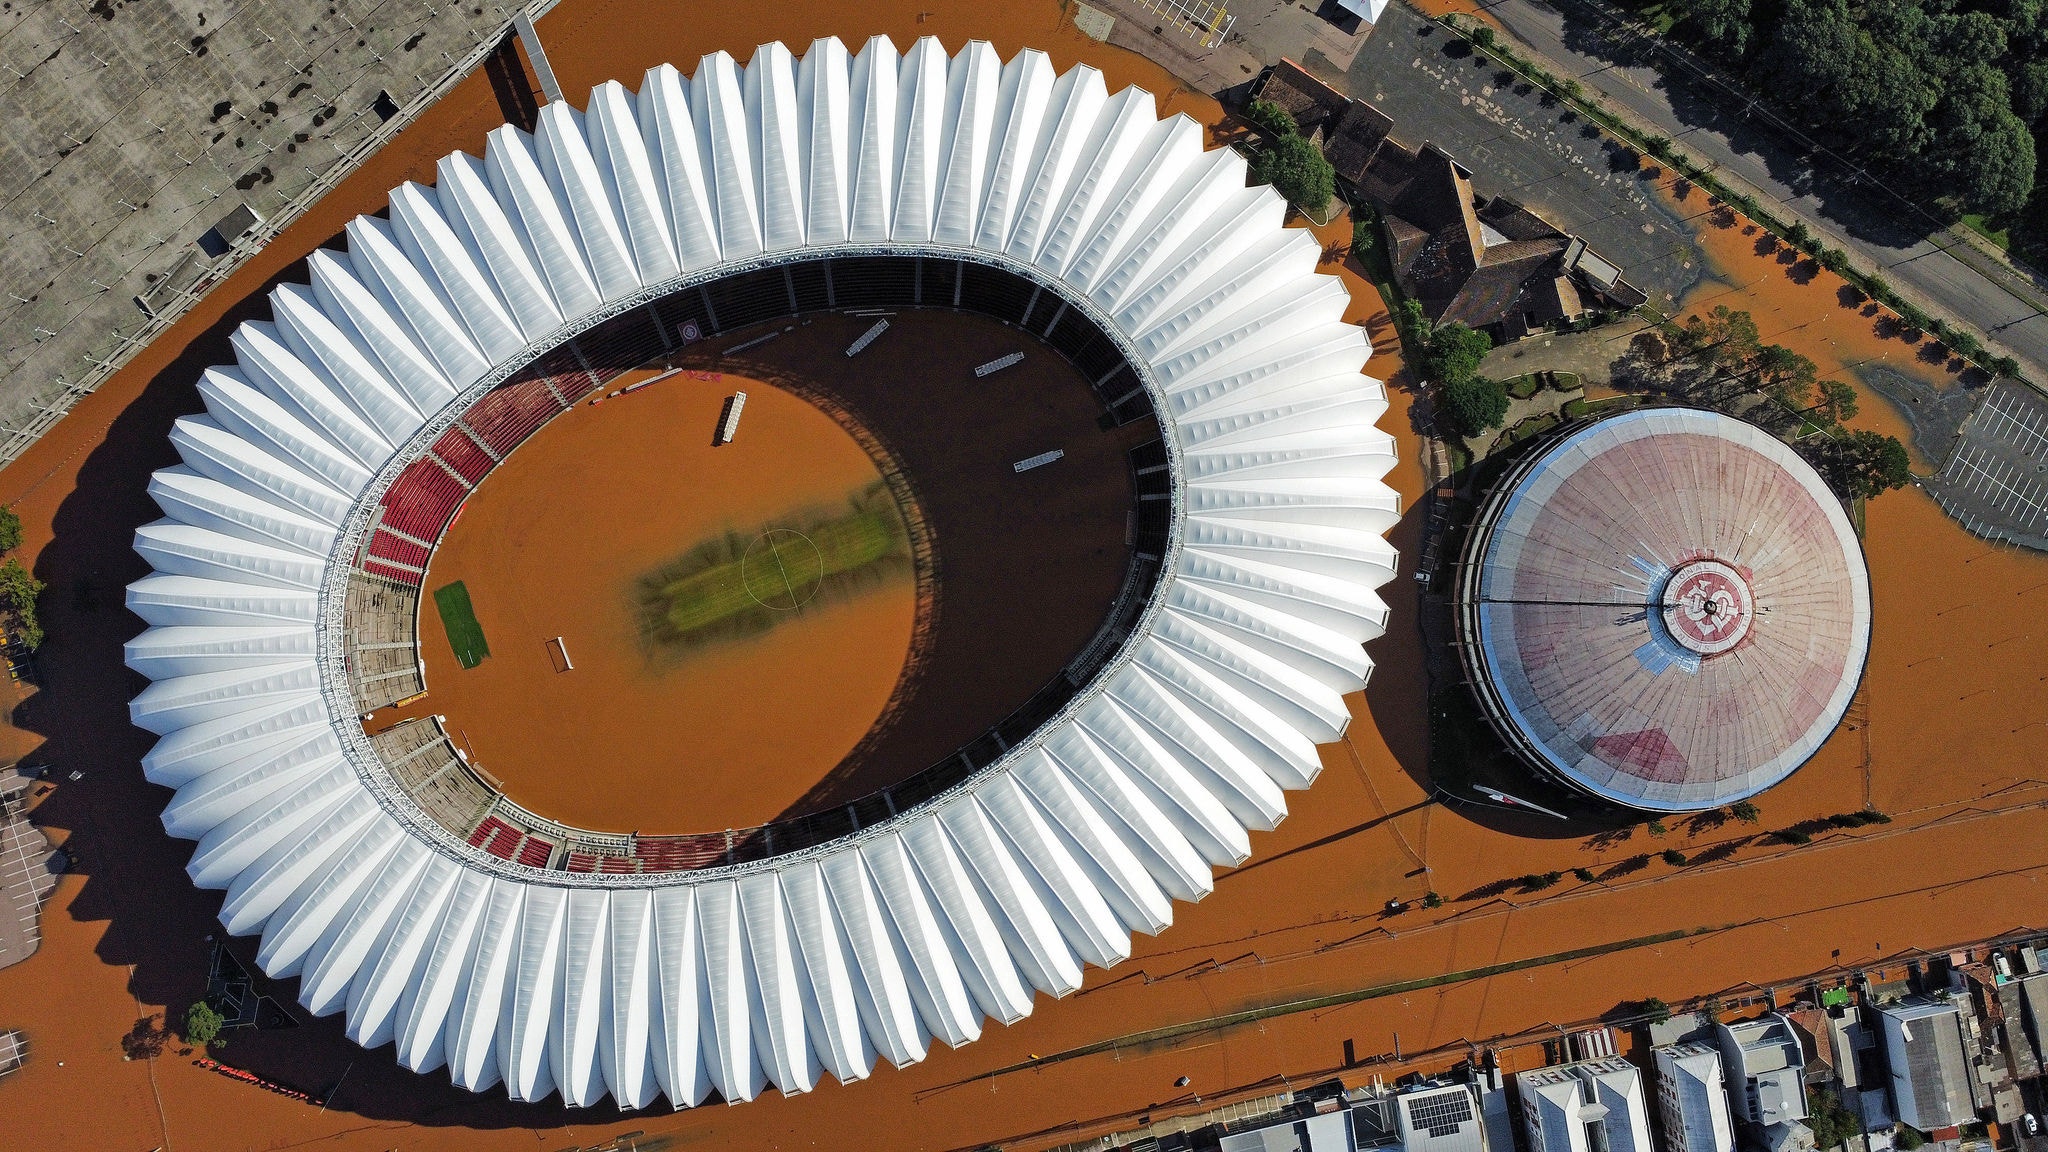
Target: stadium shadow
[1418,639]
[157,924]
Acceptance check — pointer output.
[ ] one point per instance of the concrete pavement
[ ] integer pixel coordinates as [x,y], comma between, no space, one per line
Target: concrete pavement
[1522,143]
[132,129]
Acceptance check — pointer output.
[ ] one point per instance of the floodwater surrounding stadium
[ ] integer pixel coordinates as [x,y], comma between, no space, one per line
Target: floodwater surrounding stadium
[1943,741]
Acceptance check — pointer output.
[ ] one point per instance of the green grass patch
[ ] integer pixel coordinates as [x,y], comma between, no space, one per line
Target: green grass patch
[743,583]
[1526,386]
[1982,227]
[458,616]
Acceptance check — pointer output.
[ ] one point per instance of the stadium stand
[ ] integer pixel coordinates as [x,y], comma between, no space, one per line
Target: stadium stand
[422,500]
[420,504]
[383,657]
[398,552]
[458,451]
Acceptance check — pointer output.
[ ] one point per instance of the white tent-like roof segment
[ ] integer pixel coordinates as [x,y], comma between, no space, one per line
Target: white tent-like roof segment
[870,947]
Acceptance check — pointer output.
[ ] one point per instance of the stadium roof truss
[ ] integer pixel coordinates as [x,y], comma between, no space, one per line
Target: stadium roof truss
[870,946]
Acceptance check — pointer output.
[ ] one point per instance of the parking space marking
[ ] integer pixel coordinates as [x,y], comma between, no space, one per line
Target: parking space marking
[2001,485]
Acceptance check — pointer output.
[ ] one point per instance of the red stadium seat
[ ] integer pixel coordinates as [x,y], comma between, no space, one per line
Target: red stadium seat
[461,453]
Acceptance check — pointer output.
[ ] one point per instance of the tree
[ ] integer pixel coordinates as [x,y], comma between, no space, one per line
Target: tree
[1984,155]
[1744,811]
[1475,403]
[1657,828]
[1723,24]
[1654,1010]
[1723,337]
[1866,464]
[1431,900]
[1270,118]
[2030,93]
[1454,352]
[1837,403]
[1674,857]
[1583,875]
[1297,171]
[1783,375]
[202,1024]
[18,592]
[1831,1122]
[1906,1138]
[10,530]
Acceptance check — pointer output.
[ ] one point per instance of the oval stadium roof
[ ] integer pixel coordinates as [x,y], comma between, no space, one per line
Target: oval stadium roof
[1667,609]
[869,947]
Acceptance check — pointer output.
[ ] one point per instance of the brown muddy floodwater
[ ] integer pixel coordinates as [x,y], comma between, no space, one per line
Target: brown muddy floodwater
[554,543]
[1947,743]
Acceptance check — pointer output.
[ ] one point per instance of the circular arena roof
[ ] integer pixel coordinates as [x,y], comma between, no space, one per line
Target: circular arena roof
[1667,609]
[682,979]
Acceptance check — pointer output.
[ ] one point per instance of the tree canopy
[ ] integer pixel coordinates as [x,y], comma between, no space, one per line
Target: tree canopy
[1448,356]
[1453,352]
[1297,171]
[1945,101]
[1864,464]
[202,1024]
[1269,118]
[1475,403]
[18,592]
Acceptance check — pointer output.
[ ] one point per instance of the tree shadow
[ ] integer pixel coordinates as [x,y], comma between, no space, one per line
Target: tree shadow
[1626,867]
[1493,890]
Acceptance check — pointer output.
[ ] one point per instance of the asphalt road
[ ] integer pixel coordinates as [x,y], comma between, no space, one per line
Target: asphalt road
[1521,143]
[1944,273]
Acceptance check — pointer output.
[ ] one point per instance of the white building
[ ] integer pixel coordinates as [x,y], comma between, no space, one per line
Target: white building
[509,966]
[1692,1099]
[1591,1106]
[1766,1069]
[1439,1119]
[1923,1042]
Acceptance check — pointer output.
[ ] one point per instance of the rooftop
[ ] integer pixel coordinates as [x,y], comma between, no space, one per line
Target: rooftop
[1670,609]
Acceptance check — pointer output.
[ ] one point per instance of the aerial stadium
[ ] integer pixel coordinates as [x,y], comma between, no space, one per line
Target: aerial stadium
[1663,611]
[856,355]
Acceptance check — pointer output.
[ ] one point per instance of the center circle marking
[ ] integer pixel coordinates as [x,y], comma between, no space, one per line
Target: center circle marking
[1707,607]
[782,569]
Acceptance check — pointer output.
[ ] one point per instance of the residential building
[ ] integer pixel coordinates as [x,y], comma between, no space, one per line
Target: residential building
[1692,1099]
[1923,1042]
[1591,1106]
[1766,1069]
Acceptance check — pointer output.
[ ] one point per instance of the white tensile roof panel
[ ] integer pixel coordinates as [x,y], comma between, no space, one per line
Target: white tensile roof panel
[786,970]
